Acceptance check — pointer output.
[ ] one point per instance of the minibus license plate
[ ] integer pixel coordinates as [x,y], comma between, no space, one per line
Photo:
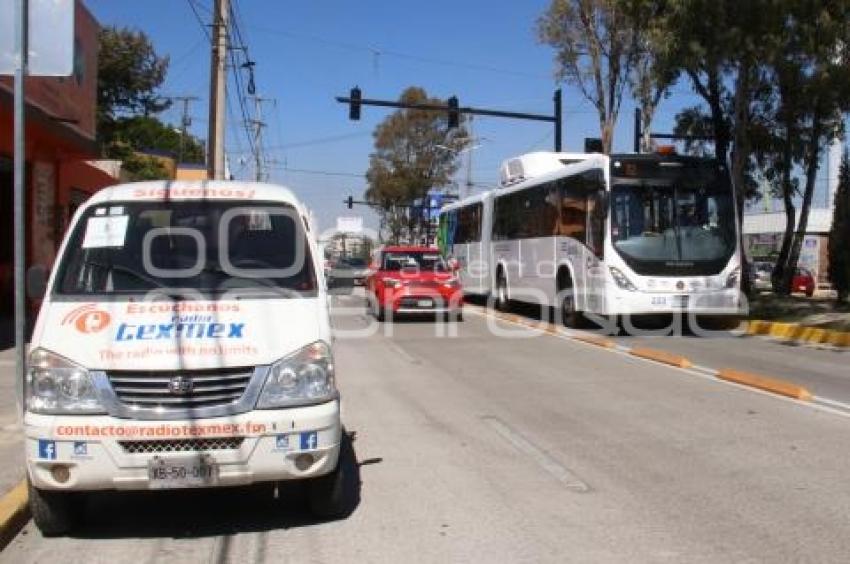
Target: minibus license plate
[182,472]
[680,301]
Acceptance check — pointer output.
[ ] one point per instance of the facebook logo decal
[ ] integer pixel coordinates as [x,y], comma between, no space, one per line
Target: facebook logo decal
[47,449]
[309,440]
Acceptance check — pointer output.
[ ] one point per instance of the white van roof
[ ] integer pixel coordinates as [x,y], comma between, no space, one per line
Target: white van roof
[195,190]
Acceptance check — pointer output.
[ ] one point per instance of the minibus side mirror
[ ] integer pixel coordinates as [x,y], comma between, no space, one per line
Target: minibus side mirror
[36,281]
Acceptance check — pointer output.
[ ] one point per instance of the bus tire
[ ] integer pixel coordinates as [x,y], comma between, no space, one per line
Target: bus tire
[570,315]
[53,512]
[502,302]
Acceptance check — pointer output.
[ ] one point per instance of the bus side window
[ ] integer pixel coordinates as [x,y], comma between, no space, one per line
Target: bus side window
[595,184]
[573,208]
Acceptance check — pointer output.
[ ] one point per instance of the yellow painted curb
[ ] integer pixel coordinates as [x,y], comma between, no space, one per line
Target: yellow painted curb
[781,387]
[14,512]
[593,340]
[797,332]
[661,356]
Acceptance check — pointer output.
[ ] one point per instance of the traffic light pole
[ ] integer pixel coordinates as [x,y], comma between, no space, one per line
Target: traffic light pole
[355,101]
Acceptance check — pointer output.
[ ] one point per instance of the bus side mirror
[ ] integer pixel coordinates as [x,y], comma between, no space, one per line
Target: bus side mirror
[37,281]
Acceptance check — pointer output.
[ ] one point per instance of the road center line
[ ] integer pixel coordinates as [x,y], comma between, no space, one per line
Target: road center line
[401,352]
[540,457]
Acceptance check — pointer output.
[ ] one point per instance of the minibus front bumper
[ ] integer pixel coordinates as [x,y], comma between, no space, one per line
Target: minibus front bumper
[79,453]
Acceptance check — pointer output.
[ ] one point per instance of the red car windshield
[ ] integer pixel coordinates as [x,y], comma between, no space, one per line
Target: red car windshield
[423,261]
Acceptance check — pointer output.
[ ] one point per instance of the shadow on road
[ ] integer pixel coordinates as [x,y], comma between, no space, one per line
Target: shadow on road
[657,325]
[212,512]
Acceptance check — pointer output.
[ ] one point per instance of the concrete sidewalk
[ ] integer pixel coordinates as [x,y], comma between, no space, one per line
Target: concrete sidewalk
[11,432]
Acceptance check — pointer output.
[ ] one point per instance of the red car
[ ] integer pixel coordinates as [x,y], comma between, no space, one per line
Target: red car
[803,281]
[412,280]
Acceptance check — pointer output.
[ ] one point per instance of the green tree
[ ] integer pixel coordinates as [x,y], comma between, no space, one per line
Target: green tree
[129,74]
[144,167]
[653,73]
[596,44]
[145,133]
[812,93]
[839,234]
[414,152]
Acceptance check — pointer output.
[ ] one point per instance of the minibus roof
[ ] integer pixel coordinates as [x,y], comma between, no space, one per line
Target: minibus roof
[213,190]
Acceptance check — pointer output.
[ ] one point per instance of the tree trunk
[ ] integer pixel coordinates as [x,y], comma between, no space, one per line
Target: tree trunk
[778,274]
[741,155]
[811,173]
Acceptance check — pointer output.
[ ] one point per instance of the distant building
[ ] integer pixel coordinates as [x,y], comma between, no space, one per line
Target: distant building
[186,171]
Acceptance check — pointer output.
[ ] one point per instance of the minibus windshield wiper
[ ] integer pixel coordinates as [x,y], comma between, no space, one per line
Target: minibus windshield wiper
[125,270]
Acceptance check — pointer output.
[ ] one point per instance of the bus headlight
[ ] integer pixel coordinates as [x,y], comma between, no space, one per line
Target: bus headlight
[621,280]
[57,386]
[734,278]
[304,377]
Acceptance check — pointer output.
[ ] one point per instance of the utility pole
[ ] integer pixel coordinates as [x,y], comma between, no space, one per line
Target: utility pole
[258,124]
[21,70]
[218,90]
[185,122]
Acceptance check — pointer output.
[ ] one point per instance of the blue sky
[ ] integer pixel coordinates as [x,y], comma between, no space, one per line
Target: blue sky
[307,52]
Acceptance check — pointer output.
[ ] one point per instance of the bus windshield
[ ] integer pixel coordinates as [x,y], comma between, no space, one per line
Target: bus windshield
[187,247]
[661,224]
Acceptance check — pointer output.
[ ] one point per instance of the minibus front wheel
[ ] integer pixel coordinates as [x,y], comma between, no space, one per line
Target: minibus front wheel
[54,513]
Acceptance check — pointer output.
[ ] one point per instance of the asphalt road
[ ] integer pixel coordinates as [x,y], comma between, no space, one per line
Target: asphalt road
[485,448]
[824,371]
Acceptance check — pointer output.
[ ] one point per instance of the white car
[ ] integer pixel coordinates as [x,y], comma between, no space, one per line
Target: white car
[183,341]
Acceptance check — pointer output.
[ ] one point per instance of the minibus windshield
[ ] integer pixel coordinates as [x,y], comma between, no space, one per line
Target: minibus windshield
[187,247]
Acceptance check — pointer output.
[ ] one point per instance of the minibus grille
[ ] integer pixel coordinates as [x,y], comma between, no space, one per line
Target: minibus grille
[182,445]
[186,389]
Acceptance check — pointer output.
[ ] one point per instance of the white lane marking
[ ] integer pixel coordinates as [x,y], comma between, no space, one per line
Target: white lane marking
[540,457]
[826,405]
[832,403]
[401,352]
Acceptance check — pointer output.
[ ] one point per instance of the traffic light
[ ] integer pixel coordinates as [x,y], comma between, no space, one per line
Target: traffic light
[454,115]
[350,202]
[354,105]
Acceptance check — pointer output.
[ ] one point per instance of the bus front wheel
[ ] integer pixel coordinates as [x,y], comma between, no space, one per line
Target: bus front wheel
[570,315]
[502,302]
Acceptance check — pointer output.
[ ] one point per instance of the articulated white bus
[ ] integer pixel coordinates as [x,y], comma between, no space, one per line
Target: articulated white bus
[605,235]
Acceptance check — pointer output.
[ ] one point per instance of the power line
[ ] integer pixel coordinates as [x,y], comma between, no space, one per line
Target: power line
[319,172]
[198,17]
[372,49]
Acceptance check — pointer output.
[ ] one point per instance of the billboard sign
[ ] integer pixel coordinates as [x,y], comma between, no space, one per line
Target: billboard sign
[51,37]
[349,224]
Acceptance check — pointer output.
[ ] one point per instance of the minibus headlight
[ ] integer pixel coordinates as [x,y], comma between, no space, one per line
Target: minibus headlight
[621,279]
[301,378]
[55,385]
